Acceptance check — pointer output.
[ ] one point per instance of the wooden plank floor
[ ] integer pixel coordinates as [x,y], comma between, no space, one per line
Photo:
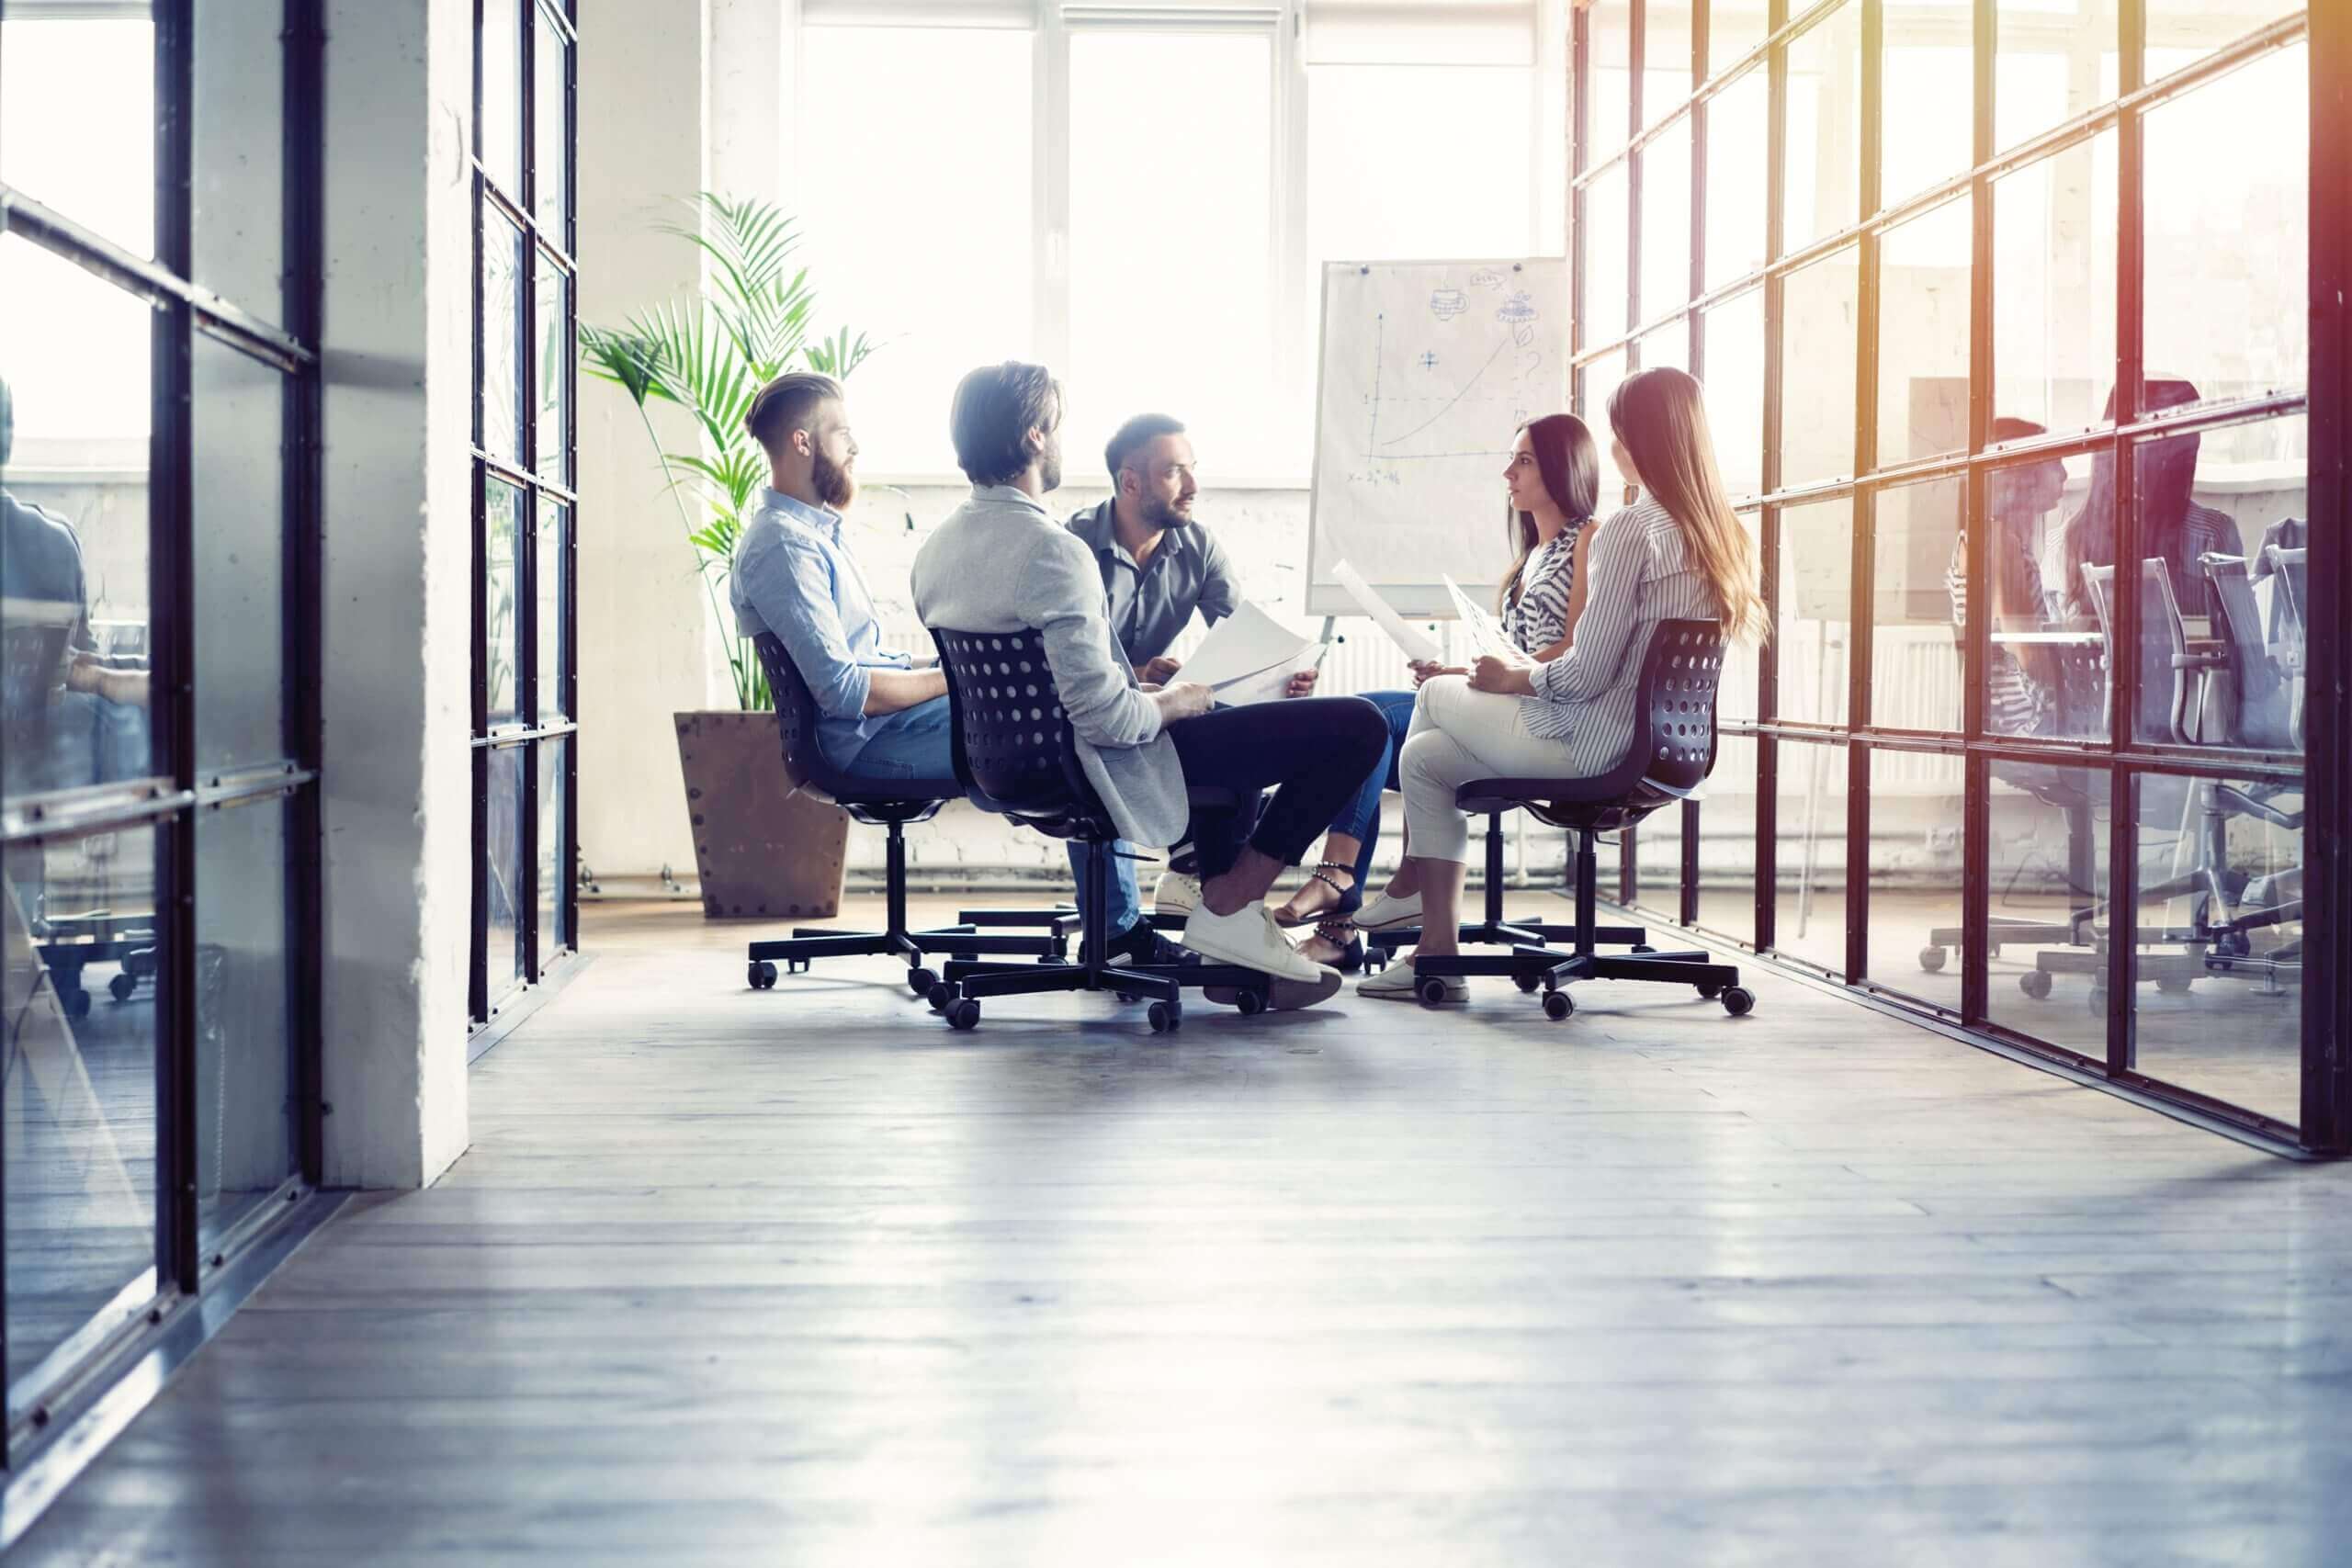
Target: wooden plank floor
[803,1277]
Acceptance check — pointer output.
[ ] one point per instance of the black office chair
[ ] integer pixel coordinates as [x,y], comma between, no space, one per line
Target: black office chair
[1494,929]
[890,806]
[1014,746]
[1672,750]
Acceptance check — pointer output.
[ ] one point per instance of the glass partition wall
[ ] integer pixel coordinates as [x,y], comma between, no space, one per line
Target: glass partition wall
[2003,311]
[523,691]
[159,381]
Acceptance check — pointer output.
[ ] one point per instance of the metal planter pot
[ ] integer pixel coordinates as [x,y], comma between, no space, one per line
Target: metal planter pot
[762,852]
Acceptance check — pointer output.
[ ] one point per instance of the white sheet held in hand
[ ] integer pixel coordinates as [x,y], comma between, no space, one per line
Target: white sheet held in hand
[1249,656]
[1417,644]
[1485,633]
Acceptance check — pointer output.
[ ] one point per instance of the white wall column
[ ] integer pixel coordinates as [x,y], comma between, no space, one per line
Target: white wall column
[647,648]
[397,591]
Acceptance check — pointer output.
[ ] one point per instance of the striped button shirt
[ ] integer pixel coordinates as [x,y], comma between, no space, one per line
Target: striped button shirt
[1641,575]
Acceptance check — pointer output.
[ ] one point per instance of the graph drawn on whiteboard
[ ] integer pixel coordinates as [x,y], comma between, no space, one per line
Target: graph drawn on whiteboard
[1428,368]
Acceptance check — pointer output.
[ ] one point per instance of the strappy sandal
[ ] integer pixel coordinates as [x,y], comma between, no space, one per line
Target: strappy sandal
[1341,932]
[1321,873]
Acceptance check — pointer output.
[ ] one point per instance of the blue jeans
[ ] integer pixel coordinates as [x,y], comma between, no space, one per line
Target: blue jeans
[1126,901]
[1361,818]
[912,743]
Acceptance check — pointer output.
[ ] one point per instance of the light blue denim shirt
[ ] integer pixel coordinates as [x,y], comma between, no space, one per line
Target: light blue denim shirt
[793,576]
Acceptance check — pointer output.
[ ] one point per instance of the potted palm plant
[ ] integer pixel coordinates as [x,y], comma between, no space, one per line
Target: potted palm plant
[760,850]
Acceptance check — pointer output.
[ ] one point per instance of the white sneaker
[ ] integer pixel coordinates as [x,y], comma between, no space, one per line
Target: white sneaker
[1398,984]
[1388,912]
[1176,895]
[1248,938]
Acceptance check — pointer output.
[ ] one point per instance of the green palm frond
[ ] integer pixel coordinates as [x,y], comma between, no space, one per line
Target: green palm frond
[629,359]
[749,239]
[841,354]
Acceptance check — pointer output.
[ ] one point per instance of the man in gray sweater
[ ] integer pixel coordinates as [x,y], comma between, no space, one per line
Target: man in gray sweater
[1001,563]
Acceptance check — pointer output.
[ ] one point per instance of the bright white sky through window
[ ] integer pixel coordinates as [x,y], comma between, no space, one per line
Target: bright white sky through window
[916,219]
[77,132]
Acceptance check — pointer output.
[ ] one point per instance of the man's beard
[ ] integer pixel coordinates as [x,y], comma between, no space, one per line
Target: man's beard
[836,486]
[1160,514]
[1049,466]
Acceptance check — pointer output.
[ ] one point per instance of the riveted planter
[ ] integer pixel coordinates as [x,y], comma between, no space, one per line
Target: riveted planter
[762,852]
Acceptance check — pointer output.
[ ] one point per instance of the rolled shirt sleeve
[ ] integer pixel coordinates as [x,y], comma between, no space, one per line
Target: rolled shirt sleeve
[1220,589]
[1061,595]
[789,586]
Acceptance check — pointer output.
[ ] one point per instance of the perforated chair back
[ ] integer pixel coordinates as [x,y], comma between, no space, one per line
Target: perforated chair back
[1012,742]
[796,717]
[2265,711]
[2292,570]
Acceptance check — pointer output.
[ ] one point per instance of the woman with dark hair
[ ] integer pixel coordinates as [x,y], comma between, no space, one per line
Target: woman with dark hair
[1677,552]
[1551,484]
[2173,528]
[2023,681]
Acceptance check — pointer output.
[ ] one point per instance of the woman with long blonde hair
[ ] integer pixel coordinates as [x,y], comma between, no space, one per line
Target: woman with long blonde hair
[1675,553]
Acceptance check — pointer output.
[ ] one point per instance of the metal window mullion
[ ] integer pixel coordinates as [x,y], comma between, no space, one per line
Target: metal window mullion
[1767,699]
[2124,673]
[1863,536]
[1049,136]
[2327,851]
[172,648]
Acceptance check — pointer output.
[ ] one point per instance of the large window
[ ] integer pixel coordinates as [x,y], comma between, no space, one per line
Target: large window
[522,727]
[159,811]
[1142,197]
[2017,390]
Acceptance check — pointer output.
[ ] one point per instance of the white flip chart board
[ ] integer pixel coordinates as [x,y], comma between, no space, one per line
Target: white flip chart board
[1428,368]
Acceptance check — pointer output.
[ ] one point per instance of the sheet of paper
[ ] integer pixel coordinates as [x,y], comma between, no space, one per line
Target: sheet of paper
[1485,633]
[1248,642]
[1417,644]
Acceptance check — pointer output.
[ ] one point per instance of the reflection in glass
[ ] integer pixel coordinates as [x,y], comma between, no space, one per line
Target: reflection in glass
[1918,608]
[501,336]
[1821,194]
[1727,835]
[1666,58]
[78,1117]
[244,1045]
[550,375]
[2221,915]
[2056,59]
[503,508]
[2047,673]
[550,147]
[552,561]
[1738,693]
[1914,870]
[2228,214]
[73,607]
[2053,287]
[1603,290]
[1812,629]
[1734,340]
[237,227]
[553,873]
[1734,29]
[1819,308]
[240,569]
[1809,882]
[1737,148]
[1928,98]
[2047,892]
[1666,221]
[1657,870]
[505,870]
[1609,96]
[1923,336]
[501,62]
[77,117]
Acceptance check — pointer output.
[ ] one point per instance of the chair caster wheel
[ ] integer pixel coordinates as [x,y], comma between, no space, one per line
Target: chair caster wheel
[1931,959]
[1644,947]
[1431,991]
[1739,1001]
[2035,983]
[920,981]
[1375,959]
[1168,1017]
[1127,999]
[943,995]
[963,1014]
[1053,961]
[1556,1005]
[762,976]
[1526,983]
[2169,987]
[1249,1003]
[122,985]
[1711,991]
[77,1002]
